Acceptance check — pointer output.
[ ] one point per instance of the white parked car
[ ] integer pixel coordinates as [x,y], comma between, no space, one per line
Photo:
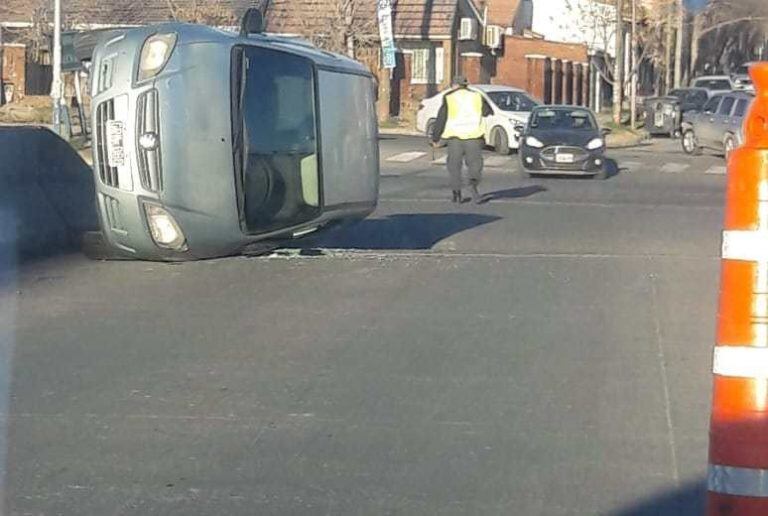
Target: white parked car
[511,108]
[715,84]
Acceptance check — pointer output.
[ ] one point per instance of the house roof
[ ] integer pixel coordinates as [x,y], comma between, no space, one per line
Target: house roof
[127,12]
[502,12]
[410,18]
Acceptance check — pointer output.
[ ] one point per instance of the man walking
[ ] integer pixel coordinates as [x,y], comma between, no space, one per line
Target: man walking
[460,123]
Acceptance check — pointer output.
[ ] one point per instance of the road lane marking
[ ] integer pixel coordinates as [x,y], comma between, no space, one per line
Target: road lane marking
[720,170]
[440,161]
[674,168]
[406,157]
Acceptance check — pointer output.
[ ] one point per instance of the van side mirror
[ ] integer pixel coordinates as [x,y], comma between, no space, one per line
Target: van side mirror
[252,22]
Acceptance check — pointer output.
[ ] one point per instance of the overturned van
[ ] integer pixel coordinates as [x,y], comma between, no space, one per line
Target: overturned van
[207,142]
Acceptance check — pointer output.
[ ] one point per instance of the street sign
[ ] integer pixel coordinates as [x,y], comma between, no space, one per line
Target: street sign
[388,50]
[69,61]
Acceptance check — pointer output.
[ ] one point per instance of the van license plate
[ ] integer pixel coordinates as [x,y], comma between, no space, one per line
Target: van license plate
[115,144]
[564,158]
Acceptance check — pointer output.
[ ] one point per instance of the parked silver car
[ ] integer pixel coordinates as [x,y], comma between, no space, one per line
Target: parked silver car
[207,142]
[718,125]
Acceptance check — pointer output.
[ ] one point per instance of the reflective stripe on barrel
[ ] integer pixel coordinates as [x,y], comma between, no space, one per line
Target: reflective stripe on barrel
[734,481]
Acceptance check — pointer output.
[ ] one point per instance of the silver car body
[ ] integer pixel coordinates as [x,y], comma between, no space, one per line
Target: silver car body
[188,112]
[722,116]
[714,83]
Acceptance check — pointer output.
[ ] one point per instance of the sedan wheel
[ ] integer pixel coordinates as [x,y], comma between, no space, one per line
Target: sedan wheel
[501,141]
[691,143]
[729,144]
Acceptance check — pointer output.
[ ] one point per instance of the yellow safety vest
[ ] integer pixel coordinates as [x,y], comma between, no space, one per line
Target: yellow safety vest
[465,115]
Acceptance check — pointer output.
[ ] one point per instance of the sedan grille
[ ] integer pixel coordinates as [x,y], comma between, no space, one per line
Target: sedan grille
[550,153]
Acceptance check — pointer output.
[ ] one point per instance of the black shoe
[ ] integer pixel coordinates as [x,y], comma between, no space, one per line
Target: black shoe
[457,197]
[476,198]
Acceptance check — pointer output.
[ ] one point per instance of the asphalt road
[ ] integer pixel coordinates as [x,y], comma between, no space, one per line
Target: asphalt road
[547,352]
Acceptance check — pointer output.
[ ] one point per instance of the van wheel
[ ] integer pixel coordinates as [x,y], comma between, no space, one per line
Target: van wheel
[501,141]
[729,144]
[691,143]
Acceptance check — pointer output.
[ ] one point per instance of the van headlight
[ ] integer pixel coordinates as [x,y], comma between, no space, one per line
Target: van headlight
[530,141]
[595,144]
[155,53]
[163,227]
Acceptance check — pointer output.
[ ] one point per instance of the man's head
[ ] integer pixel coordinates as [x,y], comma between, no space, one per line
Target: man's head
[460,81]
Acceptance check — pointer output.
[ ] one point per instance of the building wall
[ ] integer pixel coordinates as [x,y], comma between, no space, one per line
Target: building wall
[14,70]
[512,66]
[589,22]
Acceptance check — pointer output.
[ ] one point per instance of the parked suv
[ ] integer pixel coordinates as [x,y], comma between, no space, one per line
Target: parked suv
[718,125]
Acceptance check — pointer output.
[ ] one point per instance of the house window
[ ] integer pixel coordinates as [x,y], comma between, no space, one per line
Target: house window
[420,66]
[439,64]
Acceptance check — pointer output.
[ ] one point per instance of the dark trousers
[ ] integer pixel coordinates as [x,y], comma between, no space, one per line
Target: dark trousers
[461,151]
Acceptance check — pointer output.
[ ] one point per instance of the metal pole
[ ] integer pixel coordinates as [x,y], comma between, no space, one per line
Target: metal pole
[56,86]
[634,69]
[2,67]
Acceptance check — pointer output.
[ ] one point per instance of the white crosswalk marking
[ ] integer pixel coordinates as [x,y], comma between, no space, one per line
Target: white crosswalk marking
[630,165]
[406,157]
[720,170]
[440,161]
[673,168]
[498,161]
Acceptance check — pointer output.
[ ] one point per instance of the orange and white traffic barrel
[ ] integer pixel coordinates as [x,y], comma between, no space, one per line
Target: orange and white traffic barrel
[738,449]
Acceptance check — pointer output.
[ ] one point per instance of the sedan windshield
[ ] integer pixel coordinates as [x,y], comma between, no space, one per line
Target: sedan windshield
[512,100]
[578,119]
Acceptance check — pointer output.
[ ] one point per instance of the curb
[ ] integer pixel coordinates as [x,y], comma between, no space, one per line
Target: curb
[399,132]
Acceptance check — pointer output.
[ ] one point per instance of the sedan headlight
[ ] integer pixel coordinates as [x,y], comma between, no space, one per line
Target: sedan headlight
[530,141]
[595,144]
[164,230]
[155,53]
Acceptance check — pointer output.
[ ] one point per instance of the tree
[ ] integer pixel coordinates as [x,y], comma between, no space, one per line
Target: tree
[618,68]
[342,26]
[680,18]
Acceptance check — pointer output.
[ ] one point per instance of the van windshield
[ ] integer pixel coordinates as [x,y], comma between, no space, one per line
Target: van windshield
[275,127]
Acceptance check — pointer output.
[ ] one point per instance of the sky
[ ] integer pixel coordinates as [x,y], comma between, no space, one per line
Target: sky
[696,4]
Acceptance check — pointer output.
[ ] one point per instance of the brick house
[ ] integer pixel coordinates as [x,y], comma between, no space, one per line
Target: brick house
[13,71]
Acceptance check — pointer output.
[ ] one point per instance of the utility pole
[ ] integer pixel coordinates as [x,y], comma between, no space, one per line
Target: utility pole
[633,69]
[679,43]
[668,50]
[56,86]
[618,68]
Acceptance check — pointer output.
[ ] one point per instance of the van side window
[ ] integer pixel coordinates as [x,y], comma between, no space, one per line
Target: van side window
[726,106]
[711,106]
[741,108]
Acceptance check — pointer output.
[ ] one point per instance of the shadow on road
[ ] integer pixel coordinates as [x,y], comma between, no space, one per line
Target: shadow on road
[514,193]
[47,194]
[399,232]
[688,500]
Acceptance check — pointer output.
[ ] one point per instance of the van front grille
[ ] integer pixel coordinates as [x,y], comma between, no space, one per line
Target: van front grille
[148,126]
[105,112]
